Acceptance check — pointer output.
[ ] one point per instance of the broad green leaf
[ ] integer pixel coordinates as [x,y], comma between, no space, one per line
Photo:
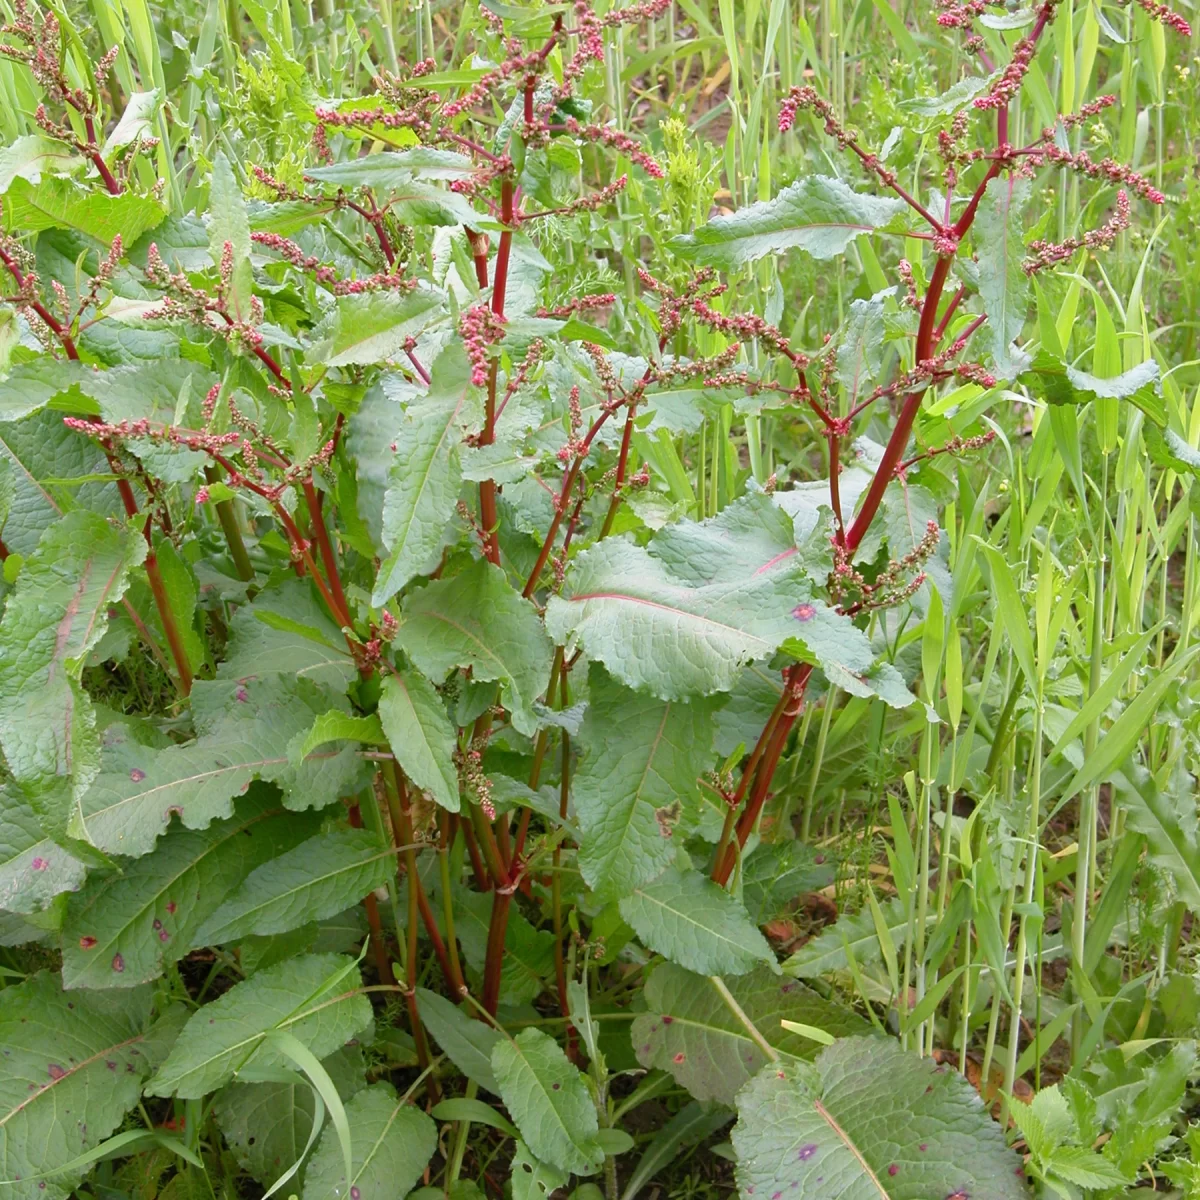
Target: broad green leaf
[1058,382]
[688,1030]
[73,1067]
[956,96]
[420,734]
[373,326]
[1168,450]
[317,879]
[136,121]
[533,1179]
[121,928]
[336,726]
[675,639]
[879,1121]
[827,951]
[860,347]
[528,952]
[315,998]
[34,155]
[1167,816]
[777,873]
[1003,285]
[395,168]
[33,869]
[637,784]
[245,733]
[477,620]
[391,1143]
[228,225]
[286,632]
[467,1042]
[819,214]
[58,203]
[268,1125]
[425,476]
[688,919]
[31,386]
[56,615]
[548,1100]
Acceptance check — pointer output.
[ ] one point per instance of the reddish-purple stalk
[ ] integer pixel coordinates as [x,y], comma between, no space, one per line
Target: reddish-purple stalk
[760,769]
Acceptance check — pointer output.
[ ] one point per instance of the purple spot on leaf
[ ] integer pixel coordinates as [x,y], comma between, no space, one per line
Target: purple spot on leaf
[355,1194]
[668,1020]
[157,924]
[171,907]
[40,864]
[806,1152]
[804,612]
[87,942]
[118,963]
[893,1169]
[137,775]
[818,859]
[923,1146]
[242,696]
[56,1072]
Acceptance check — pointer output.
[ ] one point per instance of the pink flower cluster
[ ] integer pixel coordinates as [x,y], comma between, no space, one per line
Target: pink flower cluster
[286,248]
[1160,12]
[582,304]
[1044,254]
[481,329]
[1008,85]
[619,141]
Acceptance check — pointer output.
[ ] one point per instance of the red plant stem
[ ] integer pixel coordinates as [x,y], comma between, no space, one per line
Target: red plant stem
[497,928]
[944,323]
[479,253]
[374,925]
[927,332]
[167,617]
[482,880]
[872,164]
[835,487]
[263,356]
[93,152]
[426,378]
[622,467]
[325,546]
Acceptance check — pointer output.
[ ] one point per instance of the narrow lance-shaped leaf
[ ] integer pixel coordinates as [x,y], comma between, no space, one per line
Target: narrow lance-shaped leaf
[637,785]
[688,919]
[420,734]
[371,326]
[315,998]
[121,927]
[689,1030]
[548,1100]
[467,1042]
[425,476]
[56,615]
[391,1143]
[319,878]
[819,214]
[882,1122]
[1003,284]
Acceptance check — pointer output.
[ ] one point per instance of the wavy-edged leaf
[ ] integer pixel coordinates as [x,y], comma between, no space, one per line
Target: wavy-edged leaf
[229,225]
[285,631]
[245,732]
[371,326]
[425,475]
[420,734]
[268,1125]
[336,726]
[874,1122]
[391,1143]
[34,155]
[56,203]
[827,951]
[818,213]
[395,168]
[33,869]
[688,919]
[58,613]
[688,1030]
[32,385]
[73,1066]
[638,783]
[120,928]
[548,1100]
[1058,382]
[315,998]
[477,620]
[319,878]
[468,1043]
[956,96]
[1003,284]
[1167,816]
[860,346]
